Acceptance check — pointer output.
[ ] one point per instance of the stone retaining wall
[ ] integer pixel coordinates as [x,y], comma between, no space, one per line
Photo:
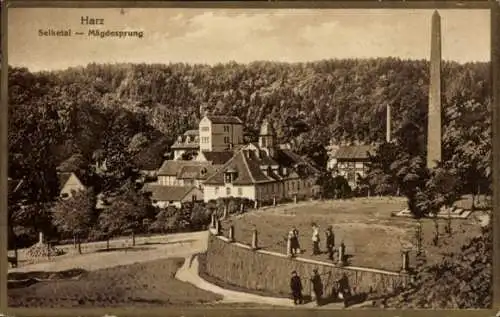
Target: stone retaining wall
[260,270]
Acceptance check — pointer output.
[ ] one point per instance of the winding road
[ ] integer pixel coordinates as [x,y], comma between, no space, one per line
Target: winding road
[185,245]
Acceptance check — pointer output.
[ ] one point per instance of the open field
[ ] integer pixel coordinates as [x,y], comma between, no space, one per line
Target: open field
[372,237]
[142,284]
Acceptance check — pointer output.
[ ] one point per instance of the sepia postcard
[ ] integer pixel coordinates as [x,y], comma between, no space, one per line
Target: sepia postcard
[242,158]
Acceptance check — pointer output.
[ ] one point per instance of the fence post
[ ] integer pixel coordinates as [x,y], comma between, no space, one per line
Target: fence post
[256,204]
[405,259]
[212,220]
[255,244]
[294,198]
[341,254]
[217,227]
[231,233]
[289,247]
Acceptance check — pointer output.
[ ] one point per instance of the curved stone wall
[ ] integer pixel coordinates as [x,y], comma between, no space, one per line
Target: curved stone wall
[259,270]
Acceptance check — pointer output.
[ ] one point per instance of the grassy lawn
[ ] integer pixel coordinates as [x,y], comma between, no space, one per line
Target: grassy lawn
[143,284]
[372,237]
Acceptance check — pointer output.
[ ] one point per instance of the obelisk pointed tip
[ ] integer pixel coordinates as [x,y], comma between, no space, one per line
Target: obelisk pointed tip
[436,14]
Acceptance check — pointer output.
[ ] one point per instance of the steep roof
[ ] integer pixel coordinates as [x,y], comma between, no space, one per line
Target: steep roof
[186,145]
[167,193]
[248,171]
[196,171]
[354,152]
[192,132]
[301,166]
[218,157]
[63,178]
[249,165]
[224,119]
[172,167]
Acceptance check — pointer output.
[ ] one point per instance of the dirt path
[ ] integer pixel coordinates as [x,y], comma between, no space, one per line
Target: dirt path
[186,246]
[178,246]
[189,273]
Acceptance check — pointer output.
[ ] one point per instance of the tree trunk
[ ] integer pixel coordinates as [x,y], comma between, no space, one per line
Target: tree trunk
[478,193]
[79,245]
[13,239]
[107,243]
[436,232]
[473,206]
[133,238]
[448,222]
[224,216]
[74,241]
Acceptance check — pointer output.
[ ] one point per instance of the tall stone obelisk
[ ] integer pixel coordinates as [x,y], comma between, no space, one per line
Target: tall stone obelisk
[434,115]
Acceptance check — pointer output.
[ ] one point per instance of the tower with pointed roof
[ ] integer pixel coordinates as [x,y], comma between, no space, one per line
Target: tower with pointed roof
[267,138]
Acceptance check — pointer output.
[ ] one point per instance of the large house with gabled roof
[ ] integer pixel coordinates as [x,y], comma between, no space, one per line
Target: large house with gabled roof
[263,172]
[188,142]
[184,173]
[351,162]
[226,167]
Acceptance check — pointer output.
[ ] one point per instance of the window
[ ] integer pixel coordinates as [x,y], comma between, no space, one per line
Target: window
[226,128]
[193,197]
[64,195]
[226,139]
[216,191]
[240,191]
[351,177]
[228,191]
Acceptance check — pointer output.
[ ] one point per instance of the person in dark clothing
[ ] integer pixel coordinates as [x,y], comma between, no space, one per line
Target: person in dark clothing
[293,235]
[330,242]
[345,289]
[296,287]
[317,287]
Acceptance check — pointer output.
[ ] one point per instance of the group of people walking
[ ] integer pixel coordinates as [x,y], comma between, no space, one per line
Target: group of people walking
[297,288]
[340,290]
[293,235]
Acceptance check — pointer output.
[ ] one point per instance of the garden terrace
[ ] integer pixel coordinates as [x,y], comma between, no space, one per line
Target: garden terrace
[373,238]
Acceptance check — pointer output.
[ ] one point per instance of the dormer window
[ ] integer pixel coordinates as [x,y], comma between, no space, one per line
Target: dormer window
[264,169]
[230,175]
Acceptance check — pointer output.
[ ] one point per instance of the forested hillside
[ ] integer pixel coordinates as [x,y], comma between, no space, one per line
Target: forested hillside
[309,103]
[128,115]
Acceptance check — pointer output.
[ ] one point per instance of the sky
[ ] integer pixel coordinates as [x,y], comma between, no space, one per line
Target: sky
[243,35]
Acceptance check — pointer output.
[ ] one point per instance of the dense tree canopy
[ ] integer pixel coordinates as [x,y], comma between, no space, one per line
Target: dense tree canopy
[120,118]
